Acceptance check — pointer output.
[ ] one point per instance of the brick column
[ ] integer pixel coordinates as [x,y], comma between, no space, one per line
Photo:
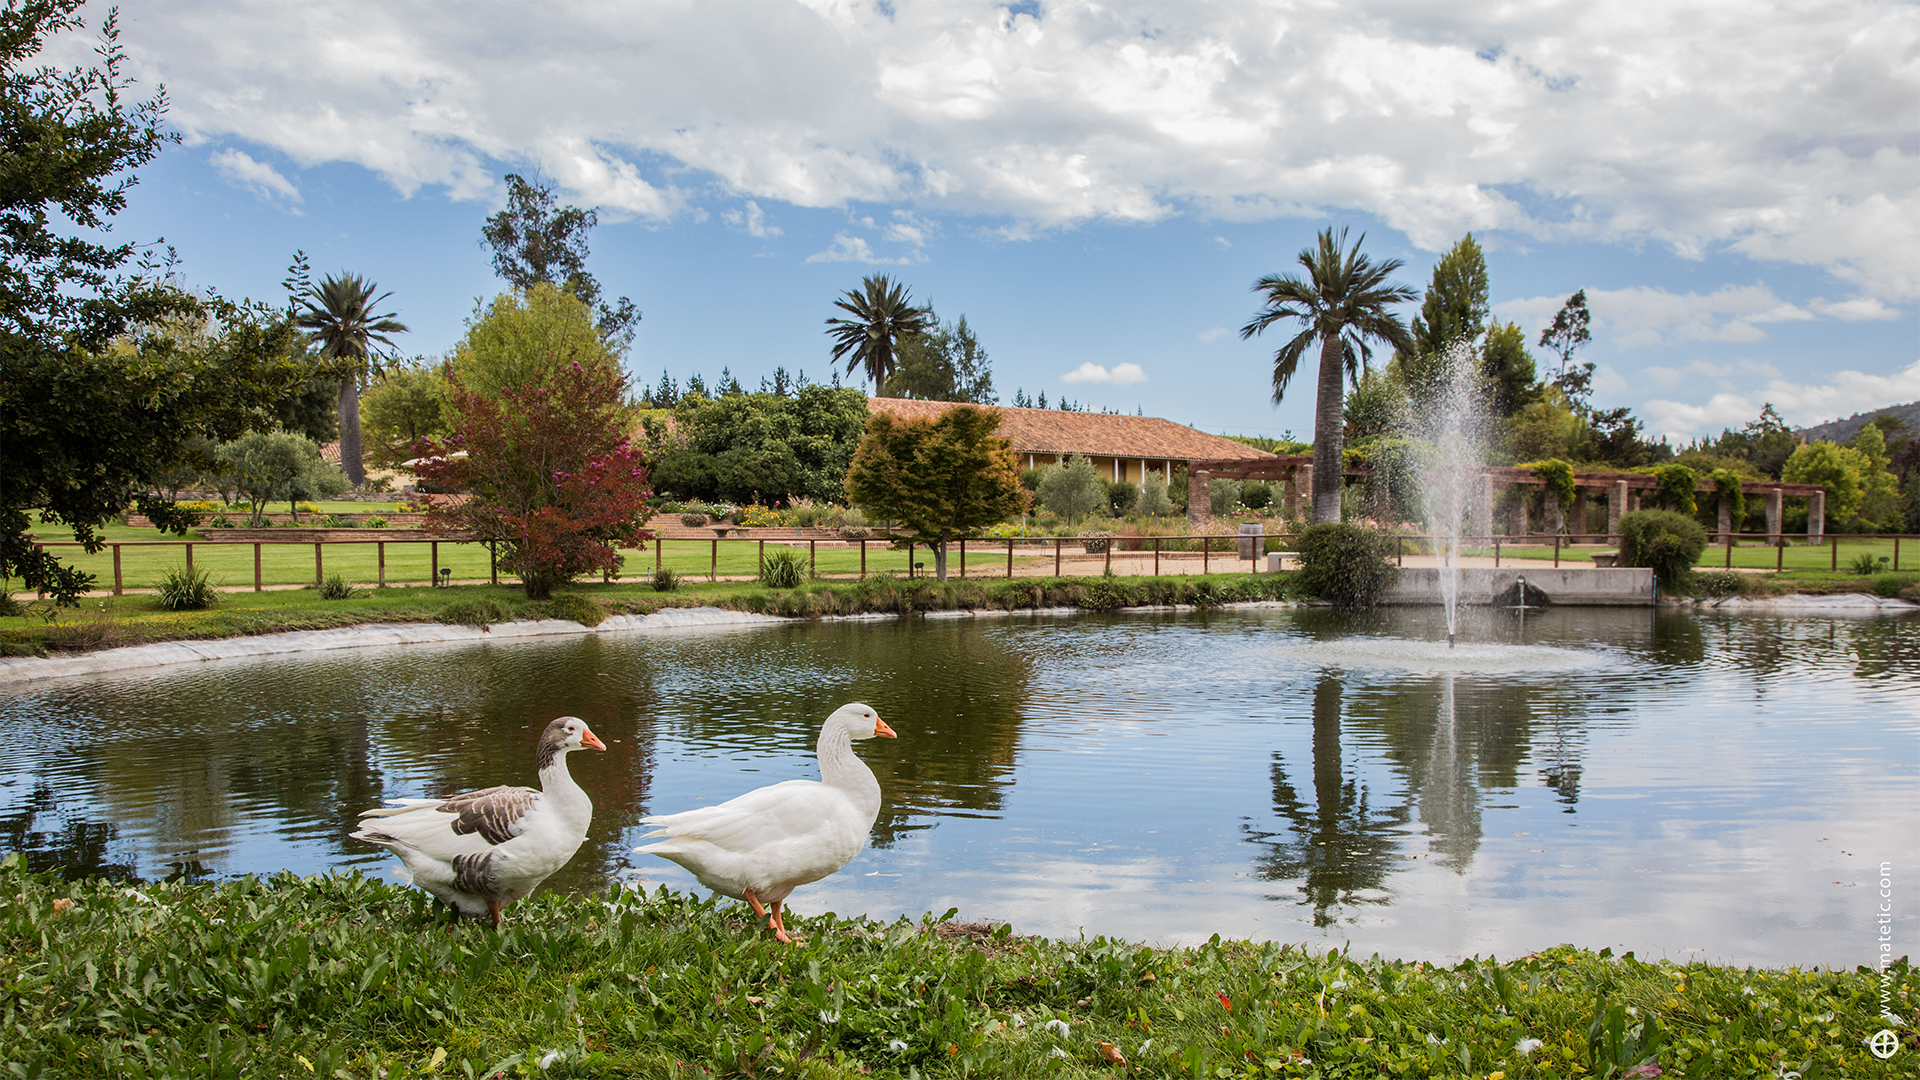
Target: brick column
[1775,512]
[1726,518]
[1616,506]
[1199,498]
[1485,524]
[1817,518]
[1523,496]
[1578,527]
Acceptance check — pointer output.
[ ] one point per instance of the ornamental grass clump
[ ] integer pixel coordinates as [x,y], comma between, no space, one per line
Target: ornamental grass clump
[1346,565]
[337,587]
[784,568]
[573,607]
[181,589]
[483,612]
[1664,541]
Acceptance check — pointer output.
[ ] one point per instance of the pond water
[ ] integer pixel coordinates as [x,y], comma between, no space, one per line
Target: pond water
[1679,784]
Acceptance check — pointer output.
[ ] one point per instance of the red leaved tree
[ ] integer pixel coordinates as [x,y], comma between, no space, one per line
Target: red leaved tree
[549,472]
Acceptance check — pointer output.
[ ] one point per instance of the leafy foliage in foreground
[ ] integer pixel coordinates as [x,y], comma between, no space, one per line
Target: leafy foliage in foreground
[345,976]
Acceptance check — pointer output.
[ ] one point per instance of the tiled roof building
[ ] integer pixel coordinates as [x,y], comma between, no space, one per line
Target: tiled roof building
[1121,447]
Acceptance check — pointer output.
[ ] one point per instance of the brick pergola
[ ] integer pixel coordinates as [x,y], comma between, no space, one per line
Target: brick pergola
[1621,491]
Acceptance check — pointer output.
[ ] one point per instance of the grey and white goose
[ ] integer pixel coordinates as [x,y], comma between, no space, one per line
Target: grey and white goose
[483,850]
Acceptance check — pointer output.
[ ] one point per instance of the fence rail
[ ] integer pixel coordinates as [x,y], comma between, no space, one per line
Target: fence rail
[976,557]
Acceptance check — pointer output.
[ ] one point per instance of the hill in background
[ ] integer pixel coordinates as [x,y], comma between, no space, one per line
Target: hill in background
[1842,430]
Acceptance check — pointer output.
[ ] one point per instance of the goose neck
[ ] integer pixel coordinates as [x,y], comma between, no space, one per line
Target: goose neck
[558,784]
[840,767]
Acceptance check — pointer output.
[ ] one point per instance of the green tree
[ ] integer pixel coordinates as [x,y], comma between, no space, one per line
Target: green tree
[266,468]
[1509,370]
[533,335]
[758,447]
[1153,498]
[1342,303]
[1455,308]
[1566,336]
[1880,506]
[941,478]
[944,364]
[535,241]
[1842,470]
[338,314]
[97,406]
[407,403]
[1072,487]
[883,318]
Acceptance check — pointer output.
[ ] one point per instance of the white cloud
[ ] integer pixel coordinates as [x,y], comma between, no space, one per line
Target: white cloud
[1802,404]
[1121,375]
[258,177]
[854,249]
[752,221]
[1646,123]
[1214,333]
[1642,316]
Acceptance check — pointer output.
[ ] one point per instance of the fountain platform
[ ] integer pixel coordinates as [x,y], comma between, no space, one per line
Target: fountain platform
[1479,586]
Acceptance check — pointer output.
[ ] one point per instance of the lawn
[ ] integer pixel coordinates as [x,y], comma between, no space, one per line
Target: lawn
[343,976]
[1839,553]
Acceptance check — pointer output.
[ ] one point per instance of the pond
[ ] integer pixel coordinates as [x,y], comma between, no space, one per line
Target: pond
[1684,785]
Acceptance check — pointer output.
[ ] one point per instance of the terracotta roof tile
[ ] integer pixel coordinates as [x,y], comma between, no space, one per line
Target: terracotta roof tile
[1055,431]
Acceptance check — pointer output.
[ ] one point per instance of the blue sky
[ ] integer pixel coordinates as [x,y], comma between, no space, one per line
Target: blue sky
[1096,187]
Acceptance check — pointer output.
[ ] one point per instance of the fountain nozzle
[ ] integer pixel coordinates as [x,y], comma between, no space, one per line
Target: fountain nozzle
[1449,639]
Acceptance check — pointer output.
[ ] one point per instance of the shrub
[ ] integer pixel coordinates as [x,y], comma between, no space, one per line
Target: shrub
[574,607]
[1096,541]
[1911,592]
[1664,541]
[855,532]
[335,521]
[1154,501]
[1864,564]
[1224,495]
[1346,565]
[784,568]
[337,587]
[1256,496]
[482,613]
[666,579]
[1121,497]
[220,521]
[9,607]
[182,589]
[855,517]
[1729,583]
[693,521]
[1677,485]
[1899,584]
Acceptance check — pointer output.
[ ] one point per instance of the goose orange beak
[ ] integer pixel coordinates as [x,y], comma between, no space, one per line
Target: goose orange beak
[881,729]
[588,738]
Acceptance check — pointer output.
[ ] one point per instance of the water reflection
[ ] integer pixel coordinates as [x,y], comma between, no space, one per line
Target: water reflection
[1267,772]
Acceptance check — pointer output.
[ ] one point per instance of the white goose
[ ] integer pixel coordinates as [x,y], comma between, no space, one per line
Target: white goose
[485,849]
[764,844]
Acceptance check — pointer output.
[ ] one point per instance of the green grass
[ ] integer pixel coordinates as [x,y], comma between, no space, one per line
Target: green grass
[143,561]
[110,621]
[1798,556]
[343,976]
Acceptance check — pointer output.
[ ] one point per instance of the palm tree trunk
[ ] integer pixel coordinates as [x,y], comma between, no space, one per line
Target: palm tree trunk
[351,457]
[1329,434]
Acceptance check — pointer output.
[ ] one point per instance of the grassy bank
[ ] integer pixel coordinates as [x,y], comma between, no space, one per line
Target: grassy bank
[116,621]
[348,977]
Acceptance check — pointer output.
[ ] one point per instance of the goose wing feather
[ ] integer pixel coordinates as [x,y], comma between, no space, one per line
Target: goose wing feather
[463,824]
[765,815]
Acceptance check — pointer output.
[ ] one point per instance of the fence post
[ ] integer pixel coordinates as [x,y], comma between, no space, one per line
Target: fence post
[1896,552]
[1729,537]
[116,565]
[434,578]
[1109,568]
[863,560]
[1206,555]
[659,545]
[319,571]
[1779,554]
[1056,556]
[1156,556]
[493,562]
[256,566]
[813,558]
[1556,558]
[1833,546]
[963,559]
[762,572]
[189,556]
[382,553]
[1399,551]
[1496,553]
[909,560]
[713,568]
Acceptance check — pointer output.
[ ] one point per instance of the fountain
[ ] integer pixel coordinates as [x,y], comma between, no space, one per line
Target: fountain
[1449,427]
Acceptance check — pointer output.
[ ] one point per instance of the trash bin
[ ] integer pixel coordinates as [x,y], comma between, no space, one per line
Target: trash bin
[1253,537]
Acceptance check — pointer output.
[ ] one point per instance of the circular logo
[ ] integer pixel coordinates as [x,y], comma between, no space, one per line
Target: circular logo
[1884,1044]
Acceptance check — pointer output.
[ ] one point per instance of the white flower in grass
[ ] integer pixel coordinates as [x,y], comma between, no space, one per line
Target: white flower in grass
[1019,1021]
[897,1046]
[829,1017]
[1143,1048]
[547,1059]
[1059,1027]
[1528,1046]
[1059,1053]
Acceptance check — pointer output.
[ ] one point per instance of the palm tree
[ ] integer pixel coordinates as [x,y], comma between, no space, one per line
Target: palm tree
[339,317]
[883,316]
[1343,302]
